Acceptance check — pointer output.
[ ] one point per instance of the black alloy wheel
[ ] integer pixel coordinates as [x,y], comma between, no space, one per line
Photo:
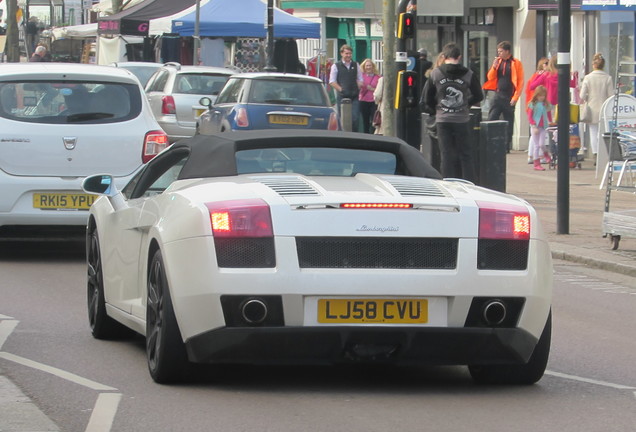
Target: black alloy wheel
[165,350]
[102,326]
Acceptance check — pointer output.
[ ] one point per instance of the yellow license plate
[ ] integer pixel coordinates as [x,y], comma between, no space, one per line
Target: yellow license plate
[65,201]
[198,112]
[368,311]
[288,120]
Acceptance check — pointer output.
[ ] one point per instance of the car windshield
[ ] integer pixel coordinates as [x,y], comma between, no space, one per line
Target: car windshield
[200,84]
[69,102]
[287,92]
[316,161]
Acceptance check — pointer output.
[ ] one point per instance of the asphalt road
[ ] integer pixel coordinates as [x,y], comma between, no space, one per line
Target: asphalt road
[83,384]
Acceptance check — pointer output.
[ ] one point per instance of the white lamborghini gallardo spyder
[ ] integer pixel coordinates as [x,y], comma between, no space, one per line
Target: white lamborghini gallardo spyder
[296,247]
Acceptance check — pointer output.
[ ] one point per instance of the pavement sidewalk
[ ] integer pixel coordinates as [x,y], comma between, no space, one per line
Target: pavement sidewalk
[584,244]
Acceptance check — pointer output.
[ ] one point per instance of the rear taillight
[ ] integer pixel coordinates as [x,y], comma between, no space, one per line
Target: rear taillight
[241,118]
[503,222]
[168,106]
[333,122]
[154,142]
[240,219]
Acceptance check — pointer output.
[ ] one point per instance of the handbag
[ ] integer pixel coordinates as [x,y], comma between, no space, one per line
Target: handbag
[377,118]
[586,113]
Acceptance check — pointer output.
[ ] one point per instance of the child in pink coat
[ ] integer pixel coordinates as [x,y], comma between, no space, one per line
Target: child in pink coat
[539,116]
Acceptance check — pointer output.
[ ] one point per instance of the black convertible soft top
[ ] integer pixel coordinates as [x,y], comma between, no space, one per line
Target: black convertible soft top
[214,155]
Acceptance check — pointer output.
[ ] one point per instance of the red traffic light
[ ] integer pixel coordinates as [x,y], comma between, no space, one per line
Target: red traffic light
[406,25]
[406,95]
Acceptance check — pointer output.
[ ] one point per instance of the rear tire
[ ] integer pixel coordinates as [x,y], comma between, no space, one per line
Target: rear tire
[165,350]
[524,374]
[102,326]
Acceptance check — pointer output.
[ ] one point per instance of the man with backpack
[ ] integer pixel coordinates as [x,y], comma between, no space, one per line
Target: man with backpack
[448,94]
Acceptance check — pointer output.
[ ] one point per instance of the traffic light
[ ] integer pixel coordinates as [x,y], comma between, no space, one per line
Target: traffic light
[406,26]
[406,93]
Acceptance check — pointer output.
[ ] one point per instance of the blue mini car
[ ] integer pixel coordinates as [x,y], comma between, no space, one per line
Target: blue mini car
[269,101]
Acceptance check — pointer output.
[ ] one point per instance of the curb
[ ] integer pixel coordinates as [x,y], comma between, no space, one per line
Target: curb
[601,264]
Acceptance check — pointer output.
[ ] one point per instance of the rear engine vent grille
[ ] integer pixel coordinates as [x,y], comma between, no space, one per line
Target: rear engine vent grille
[381,253]
[502,254]
[416,187]
[245,252]
[288,185]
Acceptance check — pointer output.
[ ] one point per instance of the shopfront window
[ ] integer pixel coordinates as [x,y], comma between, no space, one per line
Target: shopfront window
[481,49]
[552,37]
[616,42]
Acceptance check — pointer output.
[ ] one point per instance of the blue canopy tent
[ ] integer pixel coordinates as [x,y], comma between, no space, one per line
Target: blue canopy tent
[244,18]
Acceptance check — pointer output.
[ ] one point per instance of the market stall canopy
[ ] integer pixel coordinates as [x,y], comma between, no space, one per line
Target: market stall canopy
[135,20]
[164,24]
[244,18]
[105,7]
[81,31]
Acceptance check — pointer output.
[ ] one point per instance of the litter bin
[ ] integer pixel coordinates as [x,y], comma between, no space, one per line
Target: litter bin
[493,147]
[474,125]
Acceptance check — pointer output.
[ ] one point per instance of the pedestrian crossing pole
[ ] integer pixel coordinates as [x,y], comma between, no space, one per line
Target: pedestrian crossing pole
[407,118]
[563,122]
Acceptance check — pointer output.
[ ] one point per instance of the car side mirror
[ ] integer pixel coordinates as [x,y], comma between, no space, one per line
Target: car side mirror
[104,184]
[205,101]
[101,184]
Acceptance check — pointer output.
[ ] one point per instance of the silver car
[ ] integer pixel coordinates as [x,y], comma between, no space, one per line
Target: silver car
[174,92]
[60,122]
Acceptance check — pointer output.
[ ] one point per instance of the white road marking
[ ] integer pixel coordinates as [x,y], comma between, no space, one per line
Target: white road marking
[3,317]
[6,328]
[104,412]
[57,372]
[589,381]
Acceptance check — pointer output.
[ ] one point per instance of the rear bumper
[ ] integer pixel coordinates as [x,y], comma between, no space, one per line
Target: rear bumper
[174,130]
[340,344]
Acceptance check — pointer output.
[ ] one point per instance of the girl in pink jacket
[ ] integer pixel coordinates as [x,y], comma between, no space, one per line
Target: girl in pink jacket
[540,117]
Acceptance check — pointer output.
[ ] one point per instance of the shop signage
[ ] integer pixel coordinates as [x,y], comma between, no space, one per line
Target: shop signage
[360,28]
[123,27]
[614,5]
[625,112]
[551,4]
[442,8]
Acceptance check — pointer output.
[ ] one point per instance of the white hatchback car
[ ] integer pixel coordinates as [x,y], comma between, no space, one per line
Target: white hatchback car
[60,123]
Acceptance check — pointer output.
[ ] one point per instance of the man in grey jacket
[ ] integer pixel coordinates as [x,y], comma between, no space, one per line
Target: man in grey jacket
[448,94]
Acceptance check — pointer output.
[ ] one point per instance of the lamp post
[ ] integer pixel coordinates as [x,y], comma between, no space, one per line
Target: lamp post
[197,39]
[269,42]
[563,160]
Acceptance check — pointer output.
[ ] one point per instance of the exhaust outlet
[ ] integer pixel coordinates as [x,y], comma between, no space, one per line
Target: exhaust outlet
[254,311]
[494,312]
